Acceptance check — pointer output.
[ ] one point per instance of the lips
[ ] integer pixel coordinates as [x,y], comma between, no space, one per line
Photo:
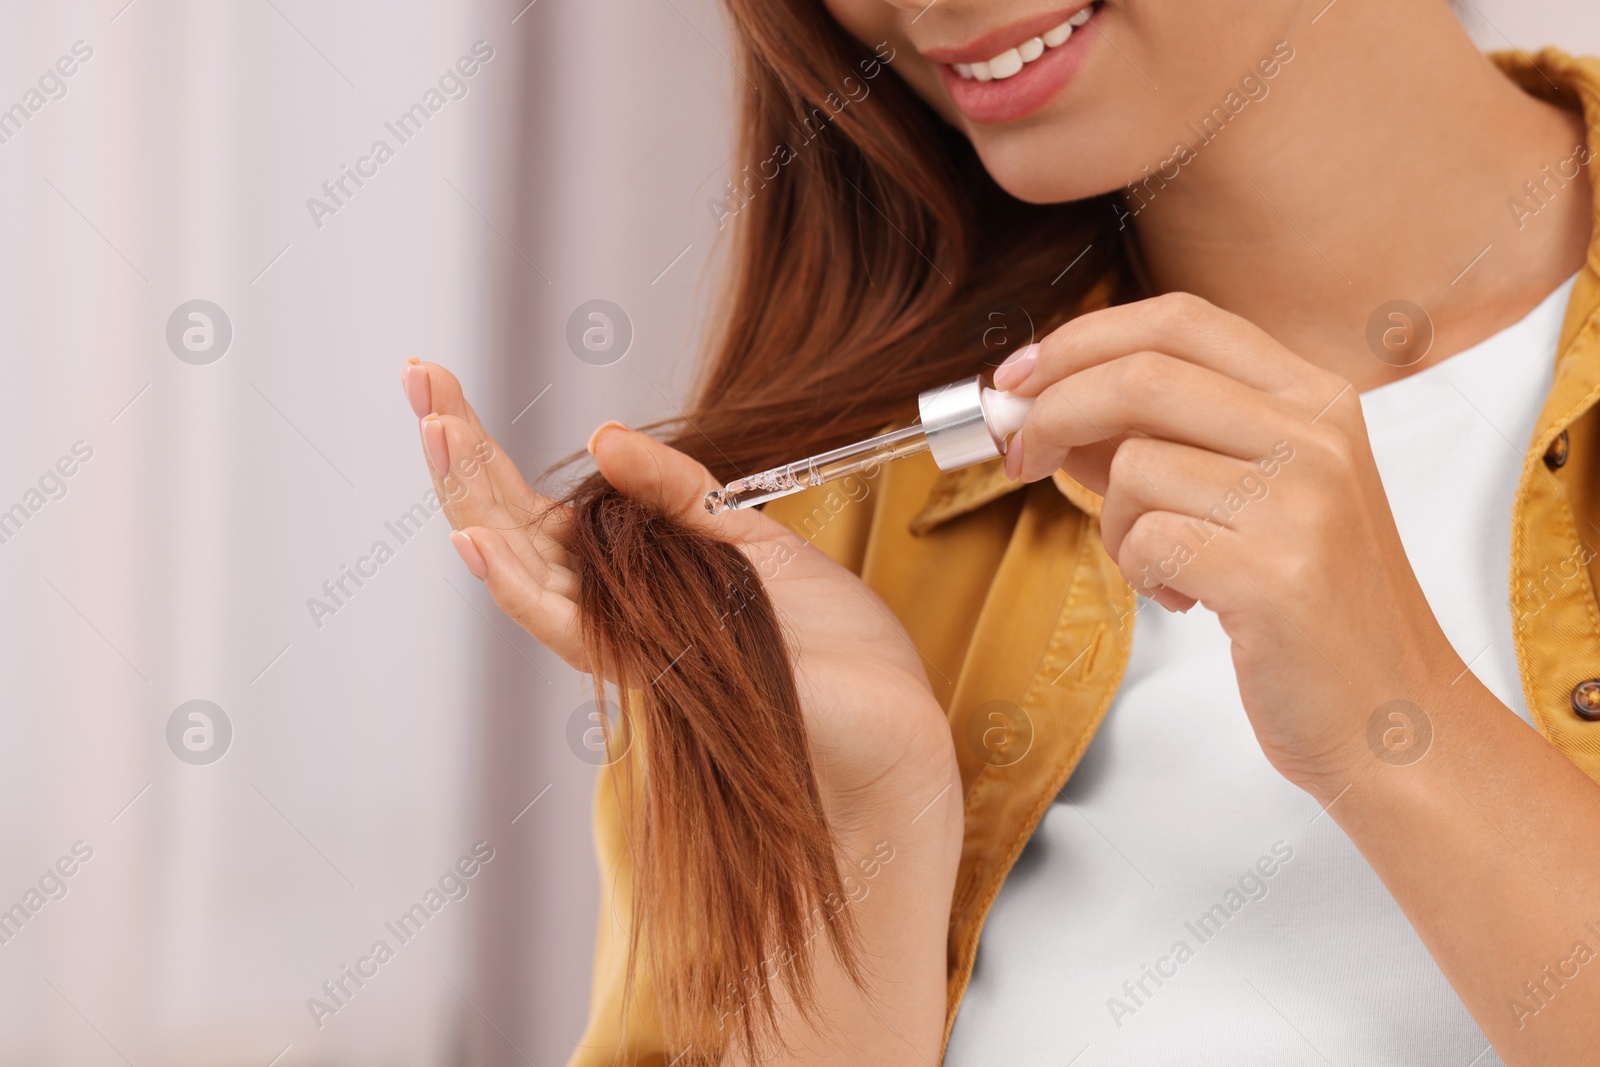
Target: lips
[1014,71]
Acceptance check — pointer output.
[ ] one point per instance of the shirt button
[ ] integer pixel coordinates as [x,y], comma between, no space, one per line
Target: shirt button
[1586,699]
[1556,456]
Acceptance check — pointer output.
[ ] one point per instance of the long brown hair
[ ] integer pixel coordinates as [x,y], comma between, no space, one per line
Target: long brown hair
[871,254]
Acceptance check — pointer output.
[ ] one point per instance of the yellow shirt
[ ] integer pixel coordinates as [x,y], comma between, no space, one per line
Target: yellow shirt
[1019,613]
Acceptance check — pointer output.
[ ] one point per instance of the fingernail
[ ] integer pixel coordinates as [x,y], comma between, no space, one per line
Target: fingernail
[468,551]
[602,428]
[1014,457]
[1016,368]
[438,448]
[419,391]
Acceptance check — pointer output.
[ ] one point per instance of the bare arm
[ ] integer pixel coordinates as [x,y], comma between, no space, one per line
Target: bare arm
[1490,843]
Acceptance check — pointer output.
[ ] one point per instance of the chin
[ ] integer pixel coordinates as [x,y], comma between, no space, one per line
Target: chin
[1034,166]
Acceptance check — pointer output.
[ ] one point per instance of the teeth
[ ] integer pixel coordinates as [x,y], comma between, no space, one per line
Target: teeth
[1005,64]
[1012,60]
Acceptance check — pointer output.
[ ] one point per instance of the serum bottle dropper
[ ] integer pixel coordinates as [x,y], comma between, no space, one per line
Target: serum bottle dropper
[962,423]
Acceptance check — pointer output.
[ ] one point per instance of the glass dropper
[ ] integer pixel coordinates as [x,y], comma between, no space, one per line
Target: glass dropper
[863,456]
[962,423]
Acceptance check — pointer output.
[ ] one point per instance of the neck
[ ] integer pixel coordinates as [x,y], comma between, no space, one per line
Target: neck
[1382,166]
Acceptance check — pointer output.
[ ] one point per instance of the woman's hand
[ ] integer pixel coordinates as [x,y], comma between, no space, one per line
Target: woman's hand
[880,743]
[869,706]
[520,532]
[1238,475]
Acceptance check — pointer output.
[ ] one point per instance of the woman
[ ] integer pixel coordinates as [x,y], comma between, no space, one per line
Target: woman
[1314,379]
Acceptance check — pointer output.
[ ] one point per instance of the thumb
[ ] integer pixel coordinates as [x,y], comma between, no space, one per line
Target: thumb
[643,469]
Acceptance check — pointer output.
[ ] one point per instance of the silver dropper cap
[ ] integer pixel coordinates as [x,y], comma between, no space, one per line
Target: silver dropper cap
[967,423]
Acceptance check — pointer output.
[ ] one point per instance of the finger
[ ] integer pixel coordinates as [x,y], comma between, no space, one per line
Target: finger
[1159,558]
[1090,465]
[535,598]
[454,451]
[1180,324]
[644,469]
[458,455]
[1171,600]
[1154,395]
[1147,474]
[431,389]
[414,380]
[549,530]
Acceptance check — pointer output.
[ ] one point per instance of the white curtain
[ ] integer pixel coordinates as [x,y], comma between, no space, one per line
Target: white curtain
[185,520]
[380,730]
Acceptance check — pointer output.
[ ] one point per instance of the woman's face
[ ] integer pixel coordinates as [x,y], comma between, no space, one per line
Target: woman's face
[1059,111]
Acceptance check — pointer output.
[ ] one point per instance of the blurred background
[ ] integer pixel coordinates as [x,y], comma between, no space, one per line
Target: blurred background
[254,710]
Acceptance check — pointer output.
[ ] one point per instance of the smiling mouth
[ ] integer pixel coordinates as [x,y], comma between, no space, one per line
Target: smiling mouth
[1016,70]
[1013,60]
